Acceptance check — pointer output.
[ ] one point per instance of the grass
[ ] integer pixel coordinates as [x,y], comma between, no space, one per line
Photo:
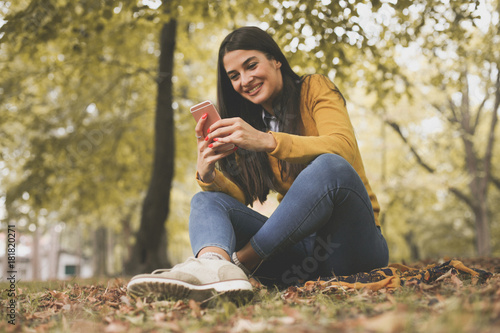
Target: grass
[102,306]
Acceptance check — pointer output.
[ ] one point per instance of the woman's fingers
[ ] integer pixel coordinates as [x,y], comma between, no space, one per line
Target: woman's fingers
[215,151]
[229,129]
[239,133]
[223,127]
[210,151]
[208,157]
[199,127]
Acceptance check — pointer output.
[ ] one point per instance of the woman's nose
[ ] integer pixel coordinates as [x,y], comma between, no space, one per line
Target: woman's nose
[246,80]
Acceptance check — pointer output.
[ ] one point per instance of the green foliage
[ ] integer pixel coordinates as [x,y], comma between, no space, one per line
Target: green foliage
[454,84]
[80,104]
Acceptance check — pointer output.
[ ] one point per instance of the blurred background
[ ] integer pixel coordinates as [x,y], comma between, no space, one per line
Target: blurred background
[98,153]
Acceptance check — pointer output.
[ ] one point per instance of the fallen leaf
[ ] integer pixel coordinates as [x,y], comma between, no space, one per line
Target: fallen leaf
[386,322]
[290,295]
[180,305]
[291,312]
[390,298]
[125,299]
[116,327]
[445,275]
[159,317]
[139,304]
[456,281]
[136,320]
[112,304]
[195,307]
[245,325]
[59,296]
[92,299]
[43,314]
[282,320]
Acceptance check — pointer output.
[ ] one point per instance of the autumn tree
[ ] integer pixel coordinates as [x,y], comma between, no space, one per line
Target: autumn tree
[457,51]
[75,88]
[148,254]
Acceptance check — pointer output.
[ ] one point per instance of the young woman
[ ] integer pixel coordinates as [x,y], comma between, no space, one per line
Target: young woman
[293,136]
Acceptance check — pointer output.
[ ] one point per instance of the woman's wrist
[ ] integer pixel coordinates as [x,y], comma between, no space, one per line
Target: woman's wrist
[207,178]
[270,142]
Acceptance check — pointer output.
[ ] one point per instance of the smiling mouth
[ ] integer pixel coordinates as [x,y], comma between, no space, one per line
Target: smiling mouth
[255,89]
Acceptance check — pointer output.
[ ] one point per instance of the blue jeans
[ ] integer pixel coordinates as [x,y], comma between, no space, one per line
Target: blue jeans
[323,226]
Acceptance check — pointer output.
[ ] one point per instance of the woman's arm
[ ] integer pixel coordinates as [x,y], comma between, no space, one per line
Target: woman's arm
[221,183]
[327,125]
[209,178]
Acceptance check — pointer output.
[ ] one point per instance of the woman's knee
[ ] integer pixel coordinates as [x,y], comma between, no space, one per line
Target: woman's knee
[198,198]
[202,203]
[208,202]
[333,166]
[204,198]
[331,160]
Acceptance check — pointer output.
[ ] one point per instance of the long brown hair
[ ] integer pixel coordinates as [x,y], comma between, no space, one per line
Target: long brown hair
[248,169]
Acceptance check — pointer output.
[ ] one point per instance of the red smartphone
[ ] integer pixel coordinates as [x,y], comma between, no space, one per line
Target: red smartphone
[207,107]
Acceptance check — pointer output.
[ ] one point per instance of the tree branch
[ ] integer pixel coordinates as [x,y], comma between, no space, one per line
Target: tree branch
[483,102]
[462,196]
[452,119]
[420,161]
[453,111]
[465,106]
[458,193]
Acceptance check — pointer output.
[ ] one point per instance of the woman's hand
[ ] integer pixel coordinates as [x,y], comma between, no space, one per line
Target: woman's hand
[241,134]
[207,153]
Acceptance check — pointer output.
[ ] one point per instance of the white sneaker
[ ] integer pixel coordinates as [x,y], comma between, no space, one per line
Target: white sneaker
[197,279]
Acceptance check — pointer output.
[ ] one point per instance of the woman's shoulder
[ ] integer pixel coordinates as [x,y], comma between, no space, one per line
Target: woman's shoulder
[314,85]
[316,81]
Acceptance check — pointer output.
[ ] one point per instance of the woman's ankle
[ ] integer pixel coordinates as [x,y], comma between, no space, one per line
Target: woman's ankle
[248,257]
[213,251]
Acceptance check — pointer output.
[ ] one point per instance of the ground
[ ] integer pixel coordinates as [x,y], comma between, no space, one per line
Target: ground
[448,305]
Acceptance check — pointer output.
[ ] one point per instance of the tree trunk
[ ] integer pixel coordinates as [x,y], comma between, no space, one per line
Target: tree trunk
[477,168]
[483,238]
[79,252]
[54,253]
[35,255]
[149,252]
[413,247]
[100,251]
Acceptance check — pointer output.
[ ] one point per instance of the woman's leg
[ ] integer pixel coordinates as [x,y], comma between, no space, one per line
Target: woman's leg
[217,220]
[327,199]
[212,225]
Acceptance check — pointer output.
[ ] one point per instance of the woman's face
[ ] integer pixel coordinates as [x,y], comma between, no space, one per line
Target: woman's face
[254,76]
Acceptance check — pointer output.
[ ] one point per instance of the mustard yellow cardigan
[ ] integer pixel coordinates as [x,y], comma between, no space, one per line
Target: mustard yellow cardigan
[326,129]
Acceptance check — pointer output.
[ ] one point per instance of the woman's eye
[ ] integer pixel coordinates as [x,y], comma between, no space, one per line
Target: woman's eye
[252,65]
[233,77]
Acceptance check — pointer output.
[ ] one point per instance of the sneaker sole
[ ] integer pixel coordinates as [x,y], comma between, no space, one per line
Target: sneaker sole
[163,288]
